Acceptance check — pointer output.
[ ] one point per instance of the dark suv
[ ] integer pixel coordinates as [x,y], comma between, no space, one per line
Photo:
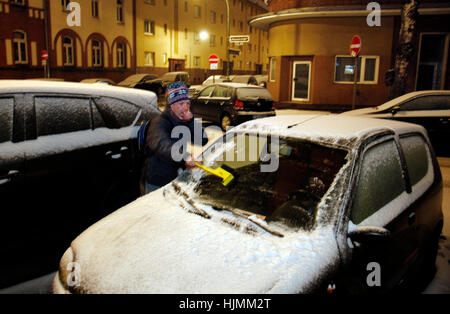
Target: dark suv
[232,103]
[68,157]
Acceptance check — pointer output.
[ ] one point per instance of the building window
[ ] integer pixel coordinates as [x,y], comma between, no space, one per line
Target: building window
[164,58]
[196,62]
[241,26]
[249,48]
[152,2]
[18,2]
[185,6]
[196,37]
[212,17]
[149,59]
[97,59]
[367,69]
[20,48]
[197,11]
[273,69]
[250,65]
[221,40]
[120,11]
[149,27]
[121,55]
[240,64]
[68,56]
[185,33]
[241,5]
[221,18]
[165,29]
[212,40]
[94,8]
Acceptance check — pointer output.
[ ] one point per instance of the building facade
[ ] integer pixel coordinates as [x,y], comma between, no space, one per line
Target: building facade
[309,51]
[116,38]
[22,38]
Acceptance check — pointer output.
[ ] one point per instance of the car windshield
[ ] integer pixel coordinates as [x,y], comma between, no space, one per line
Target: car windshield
[275,179]
[252,93]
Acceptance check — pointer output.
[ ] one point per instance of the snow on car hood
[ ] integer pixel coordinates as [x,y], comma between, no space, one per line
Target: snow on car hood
[155,246]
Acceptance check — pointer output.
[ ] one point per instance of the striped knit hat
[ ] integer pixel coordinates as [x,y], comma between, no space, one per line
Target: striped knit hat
[176,92]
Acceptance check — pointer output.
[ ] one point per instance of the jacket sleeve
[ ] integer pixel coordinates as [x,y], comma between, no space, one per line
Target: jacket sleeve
[159,140]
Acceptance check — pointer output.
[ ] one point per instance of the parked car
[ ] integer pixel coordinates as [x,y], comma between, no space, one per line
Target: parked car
[68,157]
[149,82]
[172,77]
[262,80]
[245,79]
[431,109]
[99,81]
[195,89]
[229,104]
[310,207]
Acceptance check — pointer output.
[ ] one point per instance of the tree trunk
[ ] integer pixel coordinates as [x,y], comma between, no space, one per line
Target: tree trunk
[406,48]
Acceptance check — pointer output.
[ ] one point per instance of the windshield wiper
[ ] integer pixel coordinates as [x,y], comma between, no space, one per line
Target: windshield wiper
[197,211]
[237,213]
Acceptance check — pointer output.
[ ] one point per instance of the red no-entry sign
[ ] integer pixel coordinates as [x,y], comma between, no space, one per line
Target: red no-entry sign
[213,59]
[355,46]
[44,55]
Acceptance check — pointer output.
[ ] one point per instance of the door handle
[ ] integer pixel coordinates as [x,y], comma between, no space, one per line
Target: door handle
[124,149]
[412,219]
[110,154]
[9,176]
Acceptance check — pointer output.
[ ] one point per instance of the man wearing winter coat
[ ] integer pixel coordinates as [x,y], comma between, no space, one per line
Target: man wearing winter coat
[166,135]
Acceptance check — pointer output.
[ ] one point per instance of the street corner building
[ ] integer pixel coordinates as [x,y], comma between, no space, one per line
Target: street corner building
[309,51]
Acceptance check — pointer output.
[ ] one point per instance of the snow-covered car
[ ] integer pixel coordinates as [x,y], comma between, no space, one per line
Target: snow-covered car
[68,157]
[430,109]
[310,209]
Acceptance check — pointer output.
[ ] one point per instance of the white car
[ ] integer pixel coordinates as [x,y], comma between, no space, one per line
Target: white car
[430,109]
[315,199]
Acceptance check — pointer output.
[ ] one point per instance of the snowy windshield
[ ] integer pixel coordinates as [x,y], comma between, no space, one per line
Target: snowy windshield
[276,179]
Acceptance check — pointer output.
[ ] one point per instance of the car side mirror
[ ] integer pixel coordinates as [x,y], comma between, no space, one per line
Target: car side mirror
[367,234]
[395,109]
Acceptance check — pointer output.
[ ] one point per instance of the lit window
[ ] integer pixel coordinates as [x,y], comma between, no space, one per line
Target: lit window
[97,59]
[149,58]
[120,11]
[68,51]
[213,17]
[366,72]
[196,62]
[273,69]
[20,48]
[121,55]
[149,27]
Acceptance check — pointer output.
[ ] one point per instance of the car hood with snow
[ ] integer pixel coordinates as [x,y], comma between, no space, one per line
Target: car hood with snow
[155,246]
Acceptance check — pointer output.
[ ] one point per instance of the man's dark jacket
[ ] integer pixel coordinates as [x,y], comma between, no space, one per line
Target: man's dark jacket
[161,168]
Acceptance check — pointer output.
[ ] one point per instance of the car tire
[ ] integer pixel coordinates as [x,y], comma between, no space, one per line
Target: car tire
[225,122]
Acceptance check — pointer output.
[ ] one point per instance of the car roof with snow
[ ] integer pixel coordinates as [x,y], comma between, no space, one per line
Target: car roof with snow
[326,127]
[22,86]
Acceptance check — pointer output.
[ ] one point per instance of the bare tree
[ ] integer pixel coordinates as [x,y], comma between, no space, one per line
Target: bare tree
[406,48]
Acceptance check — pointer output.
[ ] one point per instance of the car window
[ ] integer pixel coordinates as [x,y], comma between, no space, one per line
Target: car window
[116,113]
[417,157]
[56,115]
[222,92]
[206,92]
[380,180]
[6,119]
[431,102]
[289,193]
[251,92]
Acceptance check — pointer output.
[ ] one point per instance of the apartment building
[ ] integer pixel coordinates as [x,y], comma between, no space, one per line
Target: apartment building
[22,38]
[117,38]
[309,50]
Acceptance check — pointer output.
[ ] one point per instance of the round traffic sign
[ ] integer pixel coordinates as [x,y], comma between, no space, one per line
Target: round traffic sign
[213,59]
[355,46]
[44,55]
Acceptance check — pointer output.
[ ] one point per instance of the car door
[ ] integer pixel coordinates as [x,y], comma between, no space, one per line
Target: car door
[199,104]
[12,186]
[433,113]
[117,175]
[220,98]
[381,198]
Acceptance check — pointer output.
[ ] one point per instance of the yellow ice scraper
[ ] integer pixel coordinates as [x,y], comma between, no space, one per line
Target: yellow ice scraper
[219,172]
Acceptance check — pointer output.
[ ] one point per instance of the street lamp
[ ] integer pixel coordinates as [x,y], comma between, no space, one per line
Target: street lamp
[228,39]
[204,35]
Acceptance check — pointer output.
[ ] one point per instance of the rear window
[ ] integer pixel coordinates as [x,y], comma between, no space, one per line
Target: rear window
[116,113]
[416,156]
[431,102]
[6,119]
[252,93]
